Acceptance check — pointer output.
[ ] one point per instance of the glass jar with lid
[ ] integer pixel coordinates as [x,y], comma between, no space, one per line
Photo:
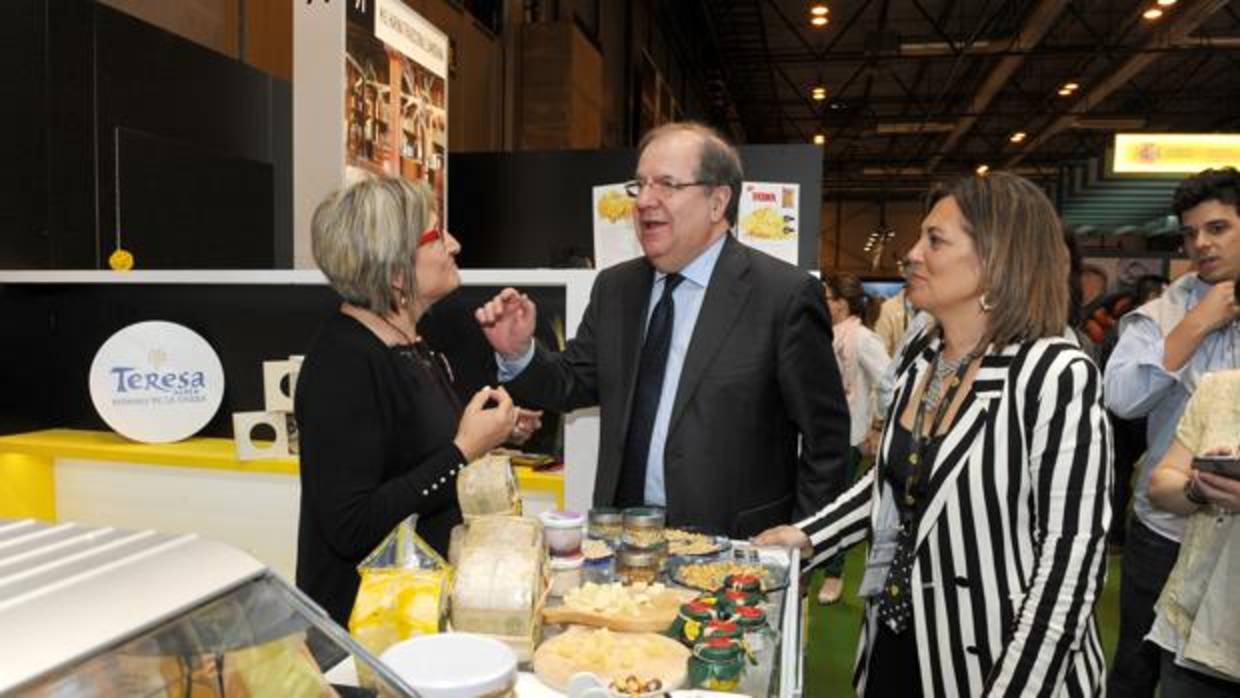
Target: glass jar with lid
[717,664]
[644,527]
[635,565]
[606,524]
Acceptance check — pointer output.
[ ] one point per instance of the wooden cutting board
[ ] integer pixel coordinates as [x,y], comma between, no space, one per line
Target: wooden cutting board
[653,618]
[613,656]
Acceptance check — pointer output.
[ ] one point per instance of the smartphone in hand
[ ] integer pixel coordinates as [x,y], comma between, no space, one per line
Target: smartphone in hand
[1227,466]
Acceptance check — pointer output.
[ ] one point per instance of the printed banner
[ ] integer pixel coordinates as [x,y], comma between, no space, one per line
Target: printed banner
[1174,153]
[396,95]
[615,239]
[768,218]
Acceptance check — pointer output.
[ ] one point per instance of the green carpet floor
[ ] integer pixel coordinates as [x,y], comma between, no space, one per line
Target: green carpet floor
[833,630]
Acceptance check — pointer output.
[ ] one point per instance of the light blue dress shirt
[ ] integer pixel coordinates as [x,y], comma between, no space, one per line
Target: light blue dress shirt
[688,301]
[1137,385]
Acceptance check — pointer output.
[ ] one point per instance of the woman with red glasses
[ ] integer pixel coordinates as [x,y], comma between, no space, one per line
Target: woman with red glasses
[383,435]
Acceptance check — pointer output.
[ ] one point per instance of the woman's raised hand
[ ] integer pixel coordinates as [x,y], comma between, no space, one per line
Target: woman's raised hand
[483,428]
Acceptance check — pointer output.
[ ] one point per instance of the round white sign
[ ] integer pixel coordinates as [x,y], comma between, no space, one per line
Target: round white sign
[156,382]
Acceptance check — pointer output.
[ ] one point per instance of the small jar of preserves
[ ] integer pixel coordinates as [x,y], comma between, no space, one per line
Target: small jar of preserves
[643,527]
[748,583]
[690,620]
[730,600]
[637,565]
[717,664]
[752,622]
[606,524]
[722,628]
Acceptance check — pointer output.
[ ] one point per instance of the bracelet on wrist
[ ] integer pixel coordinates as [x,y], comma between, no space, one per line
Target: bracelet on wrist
[1193,494]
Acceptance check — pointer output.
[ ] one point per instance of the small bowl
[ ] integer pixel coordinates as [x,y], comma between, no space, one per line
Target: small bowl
[453,665]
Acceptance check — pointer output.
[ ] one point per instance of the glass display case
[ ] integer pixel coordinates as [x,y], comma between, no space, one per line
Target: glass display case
[776,668]
[103,612]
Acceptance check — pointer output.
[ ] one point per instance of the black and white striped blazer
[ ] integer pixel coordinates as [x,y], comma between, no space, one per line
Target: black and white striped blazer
[1011,549]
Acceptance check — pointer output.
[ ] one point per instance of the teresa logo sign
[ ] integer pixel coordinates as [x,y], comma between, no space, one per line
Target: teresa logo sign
[156,382]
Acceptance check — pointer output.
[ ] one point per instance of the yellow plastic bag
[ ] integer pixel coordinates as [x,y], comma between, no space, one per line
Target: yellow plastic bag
[403,592]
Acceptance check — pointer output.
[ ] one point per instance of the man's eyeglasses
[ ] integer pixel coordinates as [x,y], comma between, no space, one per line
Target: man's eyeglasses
[661,188]
[431,235]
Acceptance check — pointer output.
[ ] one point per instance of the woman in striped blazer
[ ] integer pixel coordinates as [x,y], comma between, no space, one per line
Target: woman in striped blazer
[988,510]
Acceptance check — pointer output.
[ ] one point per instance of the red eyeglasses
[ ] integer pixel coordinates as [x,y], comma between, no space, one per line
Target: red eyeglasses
[431,235]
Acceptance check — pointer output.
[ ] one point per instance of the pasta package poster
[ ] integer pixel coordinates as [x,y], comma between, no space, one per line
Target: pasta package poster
[768,218]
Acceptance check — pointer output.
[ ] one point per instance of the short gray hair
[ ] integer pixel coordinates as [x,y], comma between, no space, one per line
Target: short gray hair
[718,161]
[365,236]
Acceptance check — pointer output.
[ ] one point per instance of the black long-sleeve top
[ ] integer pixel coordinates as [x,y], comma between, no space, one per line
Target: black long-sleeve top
[376,426]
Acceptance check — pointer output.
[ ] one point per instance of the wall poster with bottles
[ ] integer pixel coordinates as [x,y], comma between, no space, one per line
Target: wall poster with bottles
[396,95]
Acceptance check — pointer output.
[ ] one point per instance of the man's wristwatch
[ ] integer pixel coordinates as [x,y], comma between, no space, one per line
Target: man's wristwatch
[1192,493]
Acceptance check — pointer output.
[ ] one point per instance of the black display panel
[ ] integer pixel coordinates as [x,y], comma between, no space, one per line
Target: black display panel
[95,94]
[52,332]
[183,206]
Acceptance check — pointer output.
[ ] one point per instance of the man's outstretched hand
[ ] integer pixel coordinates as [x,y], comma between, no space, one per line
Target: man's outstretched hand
[508,322]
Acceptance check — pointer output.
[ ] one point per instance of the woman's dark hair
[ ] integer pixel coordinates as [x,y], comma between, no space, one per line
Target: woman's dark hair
[848,287]
[873,308]
[1019,242]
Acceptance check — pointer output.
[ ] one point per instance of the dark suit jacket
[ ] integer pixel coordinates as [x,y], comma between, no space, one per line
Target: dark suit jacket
[759,374]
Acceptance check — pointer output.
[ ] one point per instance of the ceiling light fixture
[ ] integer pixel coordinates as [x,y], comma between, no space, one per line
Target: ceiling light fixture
[1071,86]
[820,21]
[1018,137]
[982,170]
[820,139]
[1166,3]
[820,10]
[1152,14]
[1064,92]
[819,93]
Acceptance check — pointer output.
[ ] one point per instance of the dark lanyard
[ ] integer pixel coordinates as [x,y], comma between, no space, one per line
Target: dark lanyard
[913,486]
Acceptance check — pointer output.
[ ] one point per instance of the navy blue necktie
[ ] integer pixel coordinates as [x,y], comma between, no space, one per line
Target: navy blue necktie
[632,490]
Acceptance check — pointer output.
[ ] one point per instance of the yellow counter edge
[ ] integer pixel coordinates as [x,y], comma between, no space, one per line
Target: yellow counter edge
[27,486]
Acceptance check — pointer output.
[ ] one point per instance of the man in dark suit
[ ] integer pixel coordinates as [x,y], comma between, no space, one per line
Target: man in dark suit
[711,362]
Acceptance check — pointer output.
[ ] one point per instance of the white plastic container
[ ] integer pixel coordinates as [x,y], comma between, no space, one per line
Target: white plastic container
[454,665]
[564,531]
[567,573]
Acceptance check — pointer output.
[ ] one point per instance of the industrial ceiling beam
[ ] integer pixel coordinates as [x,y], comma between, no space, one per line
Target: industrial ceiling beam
[1182,24]
[1039,22]
[932,51]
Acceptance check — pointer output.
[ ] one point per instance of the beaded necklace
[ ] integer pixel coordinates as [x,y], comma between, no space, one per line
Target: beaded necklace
[944,374]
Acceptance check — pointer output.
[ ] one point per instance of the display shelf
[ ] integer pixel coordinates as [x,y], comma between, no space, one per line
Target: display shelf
[518,277]
[209,453]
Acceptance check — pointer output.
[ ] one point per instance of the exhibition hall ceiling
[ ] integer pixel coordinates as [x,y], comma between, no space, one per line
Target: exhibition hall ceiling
[918,90]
